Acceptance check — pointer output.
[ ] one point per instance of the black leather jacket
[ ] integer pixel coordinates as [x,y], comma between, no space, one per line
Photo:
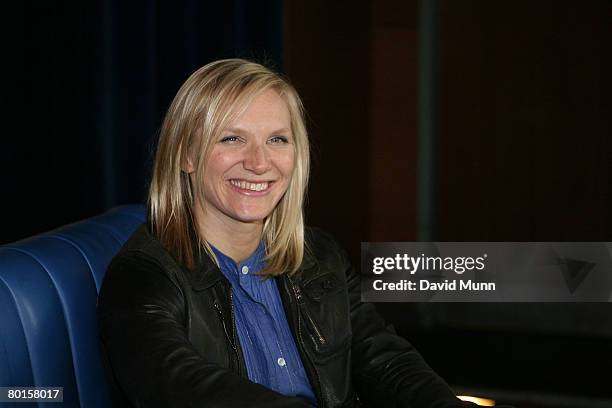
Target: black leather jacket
[169,340]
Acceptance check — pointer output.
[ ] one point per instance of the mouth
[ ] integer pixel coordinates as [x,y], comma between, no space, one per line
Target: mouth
[251,188]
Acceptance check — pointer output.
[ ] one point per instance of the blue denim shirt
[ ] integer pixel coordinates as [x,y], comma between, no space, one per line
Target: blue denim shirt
[269,349]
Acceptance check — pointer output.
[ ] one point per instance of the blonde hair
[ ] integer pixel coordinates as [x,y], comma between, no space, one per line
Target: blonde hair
[210,99]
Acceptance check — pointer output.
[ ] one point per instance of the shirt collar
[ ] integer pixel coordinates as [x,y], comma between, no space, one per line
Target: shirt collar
[206,273]
[255,262]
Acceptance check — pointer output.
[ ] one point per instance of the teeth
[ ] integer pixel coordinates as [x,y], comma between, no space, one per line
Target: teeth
[249,186]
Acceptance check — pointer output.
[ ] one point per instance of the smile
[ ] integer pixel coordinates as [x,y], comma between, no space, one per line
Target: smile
[248,186]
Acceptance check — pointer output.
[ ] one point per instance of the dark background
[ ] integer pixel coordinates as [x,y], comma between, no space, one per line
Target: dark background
[523,149]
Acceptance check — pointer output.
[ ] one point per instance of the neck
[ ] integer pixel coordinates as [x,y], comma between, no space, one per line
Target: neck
[236,239]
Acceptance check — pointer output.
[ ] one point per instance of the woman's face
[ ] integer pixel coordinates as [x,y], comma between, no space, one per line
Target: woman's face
[251,163]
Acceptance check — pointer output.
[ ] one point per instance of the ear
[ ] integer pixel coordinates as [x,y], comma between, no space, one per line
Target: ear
[187,165]
[187,162]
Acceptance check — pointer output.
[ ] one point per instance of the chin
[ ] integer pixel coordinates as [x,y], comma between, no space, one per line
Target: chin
[251,216]
[251,212]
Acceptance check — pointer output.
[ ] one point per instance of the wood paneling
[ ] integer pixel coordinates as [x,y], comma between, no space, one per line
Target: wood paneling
[525,129]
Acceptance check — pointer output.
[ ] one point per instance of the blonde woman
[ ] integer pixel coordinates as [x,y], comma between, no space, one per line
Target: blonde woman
[223,298]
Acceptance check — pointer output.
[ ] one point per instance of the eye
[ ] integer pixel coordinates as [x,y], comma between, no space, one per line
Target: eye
[230,139]
[278,140]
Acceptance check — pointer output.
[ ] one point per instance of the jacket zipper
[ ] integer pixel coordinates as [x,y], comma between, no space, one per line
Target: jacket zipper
[230,338]
[315,328]
[298,296]
[234,334]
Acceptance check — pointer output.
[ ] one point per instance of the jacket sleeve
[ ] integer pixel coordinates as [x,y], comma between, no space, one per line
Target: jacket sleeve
[148,355]
[387,370]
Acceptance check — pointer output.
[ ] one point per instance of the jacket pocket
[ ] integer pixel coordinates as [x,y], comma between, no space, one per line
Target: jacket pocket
[323,310]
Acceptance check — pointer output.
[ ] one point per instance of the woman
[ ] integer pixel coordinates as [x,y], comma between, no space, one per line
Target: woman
[224,299]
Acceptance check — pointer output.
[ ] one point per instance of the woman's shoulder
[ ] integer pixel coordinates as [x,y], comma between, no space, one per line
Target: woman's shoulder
[316,237]
[144,245]
[143,255]
[141,242]
[323,247]
[138,280]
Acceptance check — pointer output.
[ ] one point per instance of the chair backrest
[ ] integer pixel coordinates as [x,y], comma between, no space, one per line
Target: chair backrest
[48,292]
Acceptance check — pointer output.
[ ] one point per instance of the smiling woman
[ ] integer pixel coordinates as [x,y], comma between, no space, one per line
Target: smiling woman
[248,171]
[224,298]
[233,122]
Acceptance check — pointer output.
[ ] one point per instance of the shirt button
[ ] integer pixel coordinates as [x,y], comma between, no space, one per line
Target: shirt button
[281,361]
[245,270]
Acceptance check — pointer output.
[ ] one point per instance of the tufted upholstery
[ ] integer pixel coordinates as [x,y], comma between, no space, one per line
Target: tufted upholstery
[48,291]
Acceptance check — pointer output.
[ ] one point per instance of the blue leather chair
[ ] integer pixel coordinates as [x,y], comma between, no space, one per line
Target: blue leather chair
[48,291]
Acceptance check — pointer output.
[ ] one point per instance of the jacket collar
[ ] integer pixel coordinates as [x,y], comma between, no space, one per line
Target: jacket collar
[205,273]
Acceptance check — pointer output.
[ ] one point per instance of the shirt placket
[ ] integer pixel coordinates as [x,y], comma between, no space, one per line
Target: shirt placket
[246,283]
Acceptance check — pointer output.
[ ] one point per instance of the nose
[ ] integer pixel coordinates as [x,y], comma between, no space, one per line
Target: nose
[257,160]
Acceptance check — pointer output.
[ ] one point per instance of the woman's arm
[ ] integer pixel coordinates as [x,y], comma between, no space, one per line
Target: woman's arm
[147,351]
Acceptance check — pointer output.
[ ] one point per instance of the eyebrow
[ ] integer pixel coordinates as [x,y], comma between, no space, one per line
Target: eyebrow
[243,131]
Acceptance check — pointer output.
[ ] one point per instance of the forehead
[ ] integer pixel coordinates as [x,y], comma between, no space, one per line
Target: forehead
[266,110]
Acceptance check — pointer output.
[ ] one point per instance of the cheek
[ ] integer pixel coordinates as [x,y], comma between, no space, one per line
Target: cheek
[286,164]
[218,164]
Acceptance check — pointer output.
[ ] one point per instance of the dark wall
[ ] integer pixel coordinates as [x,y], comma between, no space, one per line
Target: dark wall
[393,112]
[525,121]
[93,81]
[327,57]
[355,67]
